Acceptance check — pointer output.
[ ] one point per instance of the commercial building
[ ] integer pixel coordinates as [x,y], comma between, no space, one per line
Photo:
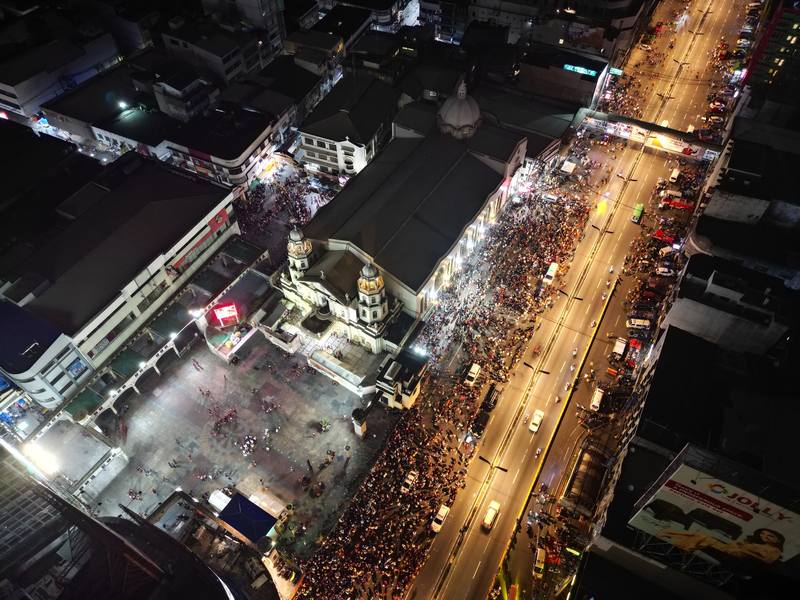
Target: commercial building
[394,237]
[346,130]
[226,55]
[128,240]
[346,23]
[705,457]
[387,15]
[265,15]
[133,25]
[553,72]
[732,306]
[753,212]
[774,69]
[51,547]
[52,53]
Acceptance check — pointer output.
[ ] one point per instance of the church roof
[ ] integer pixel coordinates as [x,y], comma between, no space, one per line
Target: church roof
[355,109]
[410,205]
[337,272]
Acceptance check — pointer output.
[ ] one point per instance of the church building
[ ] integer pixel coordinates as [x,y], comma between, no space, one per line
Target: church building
[395,236]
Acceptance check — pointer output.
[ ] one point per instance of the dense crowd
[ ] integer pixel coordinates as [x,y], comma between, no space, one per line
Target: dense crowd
[381,540]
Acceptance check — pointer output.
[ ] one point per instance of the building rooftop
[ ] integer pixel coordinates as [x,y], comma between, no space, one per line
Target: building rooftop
[419,116]
[354,109]
[31,61]
[225,132]
[775,244]
[97,99]
[409,206]
[286,77]
[763,297]
[546,56]
[704,395]
[315,38]
[436,78]
[206,36]
[343,21]
[133,212]
[25,338]
[522,113]
[760,171]
[147,127]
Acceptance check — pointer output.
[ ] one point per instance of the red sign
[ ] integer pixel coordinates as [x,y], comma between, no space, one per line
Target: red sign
[226,312]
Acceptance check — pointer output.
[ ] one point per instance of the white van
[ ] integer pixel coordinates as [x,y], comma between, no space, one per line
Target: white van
[552,270]
[472,375]
[620,344]
[674,194]
[673,177]
[438,520]
[666,251]
[491,515]
[597,399]
[690,129]
[637,324]
[538,566]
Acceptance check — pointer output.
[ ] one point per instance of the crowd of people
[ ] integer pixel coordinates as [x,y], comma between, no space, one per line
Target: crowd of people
[490,307]
[287,196]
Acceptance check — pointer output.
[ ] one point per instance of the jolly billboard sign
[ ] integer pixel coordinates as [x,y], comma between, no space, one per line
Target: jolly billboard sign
[699,513]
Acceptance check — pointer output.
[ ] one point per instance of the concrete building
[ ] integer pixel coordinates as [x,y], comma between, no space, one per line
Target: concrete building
[265,15]
[691,433]
[136,233]
[133,25]
[52,54]
[346,23]
[553,72]
[775,63]
[393,238]
[732,306]
[226,54]
[752,213]
[346,130]
[387,15]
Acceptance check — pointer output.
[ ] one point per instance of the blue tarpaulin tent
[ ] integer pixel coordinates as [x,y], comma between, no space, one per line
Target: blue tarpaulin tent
[247,518]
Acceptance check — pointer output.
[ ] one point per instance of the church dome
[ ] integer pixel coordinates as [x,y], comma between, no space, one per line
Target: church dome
[295,235]
[298,246]
[460,115]
[370,280]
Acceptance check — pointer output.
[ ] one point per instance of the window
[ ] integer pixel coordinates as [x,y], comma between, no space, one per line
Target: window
[320,143]
[374,314]
[332,146]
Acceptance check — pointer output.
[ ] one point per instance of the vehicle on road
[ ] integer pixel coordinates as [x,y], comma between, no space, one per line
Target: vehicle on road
[536,421]
[538,565]
[638,211]
[472,374]
[491,515]
[637,324]
[714,119]
[440,517]
[551,274]
[597,399]
[620,345]
[665,272]
[479,424]
[490,399]
[673,177]
[409,481]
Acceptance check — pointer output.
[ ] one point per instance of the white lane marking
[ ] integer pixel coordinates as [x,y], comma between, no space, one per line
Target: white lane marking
[515,476]
[476,569]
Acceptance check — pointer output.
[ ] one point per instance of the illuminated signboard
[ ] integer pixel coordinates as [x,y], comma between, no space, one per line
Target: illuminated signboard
[615,71]
[226,313]
[581,70]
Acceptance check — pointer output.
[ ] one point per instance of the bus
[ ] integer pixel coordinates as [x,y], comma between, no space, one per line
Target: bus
[638,210]
[551,274]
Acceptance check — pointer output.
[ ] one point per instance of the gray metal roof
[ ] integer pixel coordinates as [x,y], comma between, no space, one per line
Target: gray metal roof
[409,206]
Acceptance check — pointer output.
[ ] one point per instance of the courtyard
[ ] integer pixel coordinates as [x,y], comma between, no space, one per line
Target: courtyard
[188,429]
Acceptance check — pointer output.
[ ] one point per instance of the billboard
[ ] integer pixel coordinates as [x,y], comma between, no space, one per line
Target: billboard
[719,522]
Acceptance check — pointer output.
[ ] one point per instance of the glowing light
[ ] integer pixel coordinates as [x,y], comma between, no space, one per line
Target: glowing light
[41,458]
[173,335]
[601,207]
[122,104]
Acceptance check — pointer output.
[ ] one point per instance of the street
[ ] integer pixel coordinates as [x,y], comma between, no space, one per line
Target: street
[464,559]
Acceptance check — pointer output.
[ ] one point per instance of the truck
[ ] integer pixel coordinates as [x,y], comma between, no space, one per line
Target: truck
[620,345]
[597,399]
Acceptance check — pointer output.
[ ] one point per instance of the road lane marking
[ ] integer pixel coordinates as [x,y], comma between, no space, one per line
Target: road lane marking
[476,569]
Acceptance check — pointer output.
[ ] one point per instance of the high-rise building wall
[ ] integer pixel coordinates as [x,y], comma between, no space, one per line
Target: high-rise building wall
[775,66]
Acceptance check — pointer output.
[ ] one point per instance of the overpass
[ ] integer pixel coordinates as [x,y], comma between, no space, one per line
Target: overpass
[651,135]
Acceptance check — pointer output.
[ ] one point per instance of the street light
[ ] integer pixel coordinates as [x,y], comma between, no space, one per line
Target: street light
[122,104]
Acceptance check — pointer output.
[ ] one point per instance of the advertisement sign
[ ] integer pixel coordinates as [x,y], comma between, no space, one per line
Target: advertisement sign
[719,522]
[226,314]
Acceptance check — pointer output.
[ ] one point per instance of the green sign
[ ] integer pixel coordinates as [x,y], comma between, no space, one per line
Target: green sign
[581,70]
[615,71]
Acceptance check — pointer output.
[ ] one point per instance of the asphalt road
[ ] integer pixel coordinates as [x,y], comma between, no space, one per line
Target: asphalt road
[682,83]
[464,559]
